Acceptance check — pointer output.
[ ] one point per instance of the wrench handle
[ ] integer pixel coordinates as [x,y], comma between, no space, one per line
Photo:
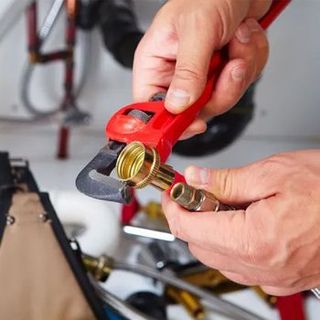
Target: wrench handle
[218,62]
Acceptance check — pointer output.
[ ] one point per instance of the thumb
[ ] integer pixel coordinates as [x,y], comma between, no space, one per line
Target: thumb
[235,186]
[192,63]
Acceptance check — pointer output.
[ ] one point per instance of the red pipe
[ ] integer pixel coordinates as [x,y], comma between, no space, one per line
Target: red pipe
[63,143]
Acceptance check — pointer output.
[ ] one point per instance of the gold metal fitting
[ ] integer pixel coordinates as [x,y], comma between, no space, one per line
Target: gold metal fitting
[191,303]
[34,57]
[99,267]
[194,199]
[139,166]
[271,300]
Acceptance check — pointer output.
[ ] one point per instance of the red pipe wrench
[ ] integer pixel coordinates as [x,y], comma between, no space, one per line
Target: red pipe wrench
[151,124]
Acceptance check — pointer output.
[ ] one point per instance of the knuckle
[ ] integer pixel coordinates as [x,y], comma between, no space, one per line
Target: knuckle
[233,97]
[262,54]
[175,226]
[196,253]
[272,258]
[189,72]
[287,281]
[272,164]
[199,18]
[258,252]
[175,230]
[240,278]
[272,291]
[225,14]
[262,42]
[259,8]
[226,183]
[280,164]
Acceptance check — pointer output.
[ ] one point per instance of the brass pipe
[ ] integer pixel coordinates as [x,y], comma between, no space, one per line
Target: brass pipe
[99,267]
[194,199]
[191,303]
[139,166]
[271,300]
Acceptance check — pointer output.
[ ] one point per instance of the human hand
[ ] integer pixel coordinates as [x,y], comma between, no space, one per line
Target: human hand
[275,241]
[175,53]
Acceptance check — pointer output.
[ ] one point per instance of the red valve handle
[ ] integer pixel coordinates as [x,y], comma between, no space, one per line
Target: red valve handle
[163,130]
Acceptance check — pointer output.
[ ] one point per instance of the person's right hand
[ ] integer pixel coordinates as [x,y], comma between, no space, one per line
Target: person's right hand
[175,53]
[274,242]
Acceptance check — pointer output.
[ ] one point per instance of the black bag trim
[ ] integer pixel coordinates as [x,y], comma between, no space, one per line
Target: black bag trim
[6,178]
[5,204]
[6,189]
[22,174]
[75,265]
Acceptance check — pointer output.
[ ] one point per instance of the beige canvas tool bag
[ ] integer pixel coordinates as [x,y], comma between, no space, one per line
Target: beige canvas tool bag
[41,277]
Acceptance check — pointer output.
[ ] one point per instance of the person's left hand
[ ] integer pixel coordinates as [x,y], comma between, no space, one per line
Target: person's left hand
[275,241]
[174,54]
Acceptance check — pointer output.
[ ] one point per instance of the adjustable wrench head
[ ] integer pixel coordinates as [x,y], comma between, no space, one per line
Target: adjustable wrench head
[95,180]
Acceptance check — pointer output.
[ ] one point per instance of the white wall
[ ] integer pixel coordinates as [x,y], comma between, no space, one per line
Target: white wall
[288,95]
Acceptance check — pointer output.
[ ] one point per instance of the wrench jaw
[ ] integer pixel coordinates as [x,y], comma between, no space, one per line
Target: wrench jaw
[95,180]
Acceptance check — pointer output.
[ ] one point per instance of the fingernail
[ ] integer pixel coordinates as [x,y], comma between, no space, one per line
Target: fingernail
[243,33]
[253,25]
[188,135]
[238,74]
[197,175]
[177,99]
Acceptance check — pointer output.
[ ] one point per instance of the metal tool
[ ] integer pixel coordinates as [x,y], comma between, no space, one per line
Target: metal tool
[316,292]
[190,302]
[99,267]
[139,166]
[148,233]
[155,129]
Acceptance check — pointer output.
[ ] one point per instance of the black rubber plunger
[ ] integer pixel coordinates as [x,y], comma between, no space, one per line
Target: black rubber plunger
[222,130]
[149,303]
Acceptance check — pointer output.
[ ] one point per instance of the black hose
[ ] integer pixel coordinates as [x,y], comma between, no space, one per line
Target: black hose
[119,28]
[222,130]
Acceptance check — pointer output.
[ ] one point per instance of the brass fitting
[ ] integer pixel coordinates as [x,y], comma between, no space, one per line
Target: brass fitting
[139,166]
[193,199]
[271,300]
[34,57]
[212,280]
[153,210]
[188,301]
[99,267]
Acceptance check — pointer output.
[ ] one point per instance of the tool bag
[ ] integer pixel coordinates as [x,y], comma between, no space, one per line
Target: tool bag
[41,276]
